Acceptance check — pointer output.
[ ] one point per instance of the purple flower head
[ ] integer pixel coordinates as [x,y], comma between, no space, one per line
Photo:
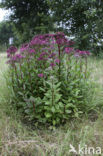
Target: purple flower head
[60,41]
[36,41]
[60,38]
[40,40]
[68,50]
[24,47]
[52,65]
[41,75]
[43,54]
[82,53]
[40,58]
[88,53]
[8,55]
[57,61]
[32,51]
[12,50]
[52,46]
[17,58]
[76,55]
[52,55]
[52,43]
[77,50]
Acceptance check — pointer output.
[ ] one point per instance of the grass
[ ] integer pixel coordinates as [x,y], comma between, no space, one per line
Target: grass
[17,139]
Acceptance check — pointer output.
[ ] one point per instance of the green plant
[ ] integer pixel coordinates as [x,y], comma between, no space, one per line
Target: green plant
[49,79]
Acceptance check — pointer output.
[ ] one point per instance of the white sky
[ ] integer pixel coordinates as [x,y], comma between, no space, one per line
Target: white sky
[3,14]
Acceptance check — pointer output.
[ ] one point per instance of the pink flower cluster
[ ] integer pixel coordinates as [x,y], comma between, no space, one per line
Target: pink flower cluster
[77,53]
[32,51]
[68,50]
[50,40]
[24,47]
[82,53]
[40,40]
[13,55]
[41,75]
[62,40]
[17,57]
[11,51]
[46,50]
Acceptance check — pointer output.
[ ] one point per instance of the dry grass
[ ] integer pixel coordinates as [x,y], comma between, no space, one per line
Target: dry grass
[17,139]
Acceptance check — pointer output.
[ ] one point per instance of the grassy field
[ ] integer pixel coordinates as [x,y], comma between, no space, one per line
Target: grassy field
[17,139]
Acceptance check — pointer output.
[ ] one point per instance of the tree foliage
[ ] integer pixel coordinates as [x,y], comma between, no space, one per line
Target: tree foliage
[82,19]
[5,32]
[78,18]
[29,17]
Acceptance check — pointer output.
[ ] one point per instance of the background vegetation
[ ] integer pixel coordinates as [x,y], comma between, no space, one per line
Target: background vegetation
[77,18]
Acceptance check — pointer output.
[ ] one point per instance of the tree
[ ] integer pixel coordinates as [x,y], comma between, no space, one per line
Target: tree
[5,32]
[29,17]
[82,19]
[78,18]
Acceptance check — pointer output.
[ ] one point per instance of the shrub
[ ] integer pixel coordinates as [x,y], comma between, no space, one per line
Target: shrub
[49,78]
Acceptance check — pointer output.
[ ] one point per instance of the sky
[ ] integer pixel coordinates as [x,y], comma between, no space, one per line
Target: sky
[3,14]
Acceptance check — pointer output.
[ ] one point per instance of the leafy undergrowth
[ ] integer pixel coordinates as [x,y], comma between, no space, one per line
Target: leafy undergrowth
[17,139]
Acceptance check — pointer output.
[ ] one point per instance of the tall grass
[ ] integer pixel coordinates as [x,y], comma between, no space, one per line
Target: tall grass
[17,139]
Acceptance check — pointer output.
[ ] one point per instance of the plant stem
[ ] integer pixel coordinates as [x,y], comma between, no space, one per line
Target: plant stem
[59,62]
[17,77]
[85,67]
[80,64]
[29,73]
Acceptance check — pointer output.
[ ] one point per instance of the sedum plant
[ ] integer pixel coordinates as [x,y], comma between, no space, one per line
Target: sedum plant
[49,79]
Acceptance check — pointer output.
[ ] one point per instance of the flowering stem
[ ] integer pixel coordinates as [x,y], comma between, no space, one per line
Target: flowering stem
[20,71]
[12,76]
[85,67]
[29,73]
[21,74]
[17,77]
[52,93]
[80,64]
[76,63]
[59,62]
[68,67]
